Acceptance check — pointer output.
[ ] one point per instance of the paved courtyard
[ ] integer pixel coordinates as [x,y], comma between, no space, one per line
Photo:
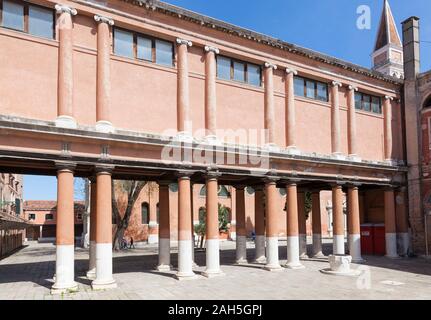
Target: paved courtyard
[28,273]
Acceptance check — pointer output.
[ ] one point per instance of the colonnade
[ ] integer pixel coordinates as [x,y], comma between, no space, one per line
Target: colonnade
[103,87]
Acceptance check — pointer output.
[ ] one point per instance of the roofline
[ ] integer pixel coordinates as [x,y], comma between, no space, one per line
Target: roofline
[213,23]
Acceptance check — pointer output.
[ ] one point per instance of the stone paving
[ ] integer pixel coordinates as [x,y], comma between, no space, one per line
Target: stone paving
[28,273]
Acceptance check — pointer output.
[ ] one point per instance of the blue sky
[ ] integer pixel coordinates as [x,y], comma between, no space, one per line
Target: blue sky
[327,26]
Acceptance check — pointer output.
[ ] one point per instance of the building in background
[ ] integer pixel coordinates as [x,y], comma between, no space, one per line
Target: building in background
[12,224]
[42,217]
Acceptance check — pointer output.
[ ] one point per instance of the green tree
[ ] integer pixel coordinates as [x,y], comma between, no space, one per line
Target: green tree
[223,222]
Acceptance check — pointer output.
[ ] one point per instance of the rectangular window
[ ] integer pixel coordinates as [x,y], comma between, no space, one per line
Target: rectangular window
[31,216]
[164,53]
[123,43]
[223,68]
[238,71]
[231,69]
[368,103]
[144,49]
[29,18]
[136,46]
[311,89]
[49,216]
[298,83]
[253,75]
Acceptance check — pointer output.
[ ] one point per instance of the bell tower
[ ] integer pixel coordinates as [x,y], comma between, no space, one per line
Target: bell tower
[388,51]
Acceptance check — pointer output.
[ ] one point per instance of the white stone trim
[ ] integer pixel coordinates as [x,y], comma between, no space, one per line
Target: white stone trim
[241,249]
[103,19]
[104,126]
[355,247]
[212,258]
[185,260]
[404,240]
[270,65]
[64,269]
[336,83]
[212,49]
[164,254]
[350,87]
[104,277]
[303,246]
[272,260]
[183,41]
[59,8]
[66,122]
[293,253]
[317,245]
[153,238]
[260,248]
[290,70]
[391,245]
[338,244]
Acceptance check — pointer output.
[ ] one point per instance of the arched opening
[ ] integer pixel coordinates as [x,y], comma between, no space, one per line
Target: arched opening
[427,103]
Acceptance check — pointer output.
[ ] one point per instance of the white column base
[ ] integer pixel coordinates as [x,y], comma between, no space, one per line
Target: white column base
[233,236]
[293,150]
[338,244]
[355,247]
[104,126]
[354,158]
[241,250]
[104,279]
[391,245]
[317,246]
[260,249]
[64,270]
[293,253]
[164,254]
[66,122]
[153,238]
[303,246]
[91,273]
[212,258]
[185,260]
[184,136]
[404,243]
[272,261]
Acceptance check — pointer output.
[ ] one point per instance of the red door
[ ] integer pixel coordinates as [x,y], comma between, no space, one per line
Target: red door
[367,239]
[379,240]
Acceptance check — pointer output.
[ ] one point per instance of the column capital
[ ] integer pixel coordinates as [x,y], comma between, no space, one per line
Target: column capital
[212,174]
[350,87]
[59,8]
[388,98]
[270,65]
[185,42]
[290,70]
[239,186]
[336,84]
[292,181]
[270,179]
[65,165]
[354,185]
[102,19]
[211,49]
[164,183]
[184,174]
[337,184]
[104,168]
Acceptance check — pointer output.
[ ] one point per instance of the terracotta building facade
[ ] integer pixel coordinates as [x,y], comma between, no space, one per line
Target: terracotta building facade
[142,90]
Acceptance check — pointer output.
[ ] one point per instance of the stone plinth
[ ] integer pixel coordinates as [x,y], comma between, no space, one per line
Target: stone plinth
[340,265]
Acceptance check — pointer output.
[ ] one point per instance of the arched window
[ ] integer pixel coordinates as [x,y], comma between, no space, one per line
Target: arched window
[203,191]
[145,212]
[250,190]
[173,187]
[282,191]
[223,192]
[157,212]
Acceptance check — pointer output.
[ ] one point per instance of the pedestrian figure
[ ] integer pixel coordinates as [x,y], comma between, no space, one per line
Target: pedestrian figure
[131,244]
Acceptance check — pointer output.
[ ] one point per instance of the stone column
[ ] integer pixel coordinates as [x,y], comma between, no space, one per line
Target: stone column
[185,256]
[317,225]
[290,112]
[65,239]
[65,67]
[164,228]
[91,273]
[351,124]
[269,105]
[184,125]
[302,223]
[335,120]
[104,279]
[387,113]
[103,84]
[338,220]
[402,224]
[212,230]
[292,229]
[241,232]
[390,224]
[272,228]
[259,223]
[210,94]
[354,224]
[153,232]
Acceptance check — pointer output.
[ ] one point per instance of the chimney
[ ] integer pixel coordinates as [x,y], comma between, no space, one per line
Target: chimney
[411,48]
